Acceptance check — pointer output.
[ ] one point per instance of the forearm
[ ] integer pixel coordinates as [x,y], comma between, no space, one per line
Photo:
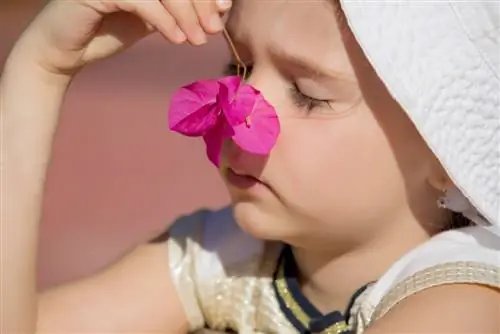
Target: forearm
[30,100]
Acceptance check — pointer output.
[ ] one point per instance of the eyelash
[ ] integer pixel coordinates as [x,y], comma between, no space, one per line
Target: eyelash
[306,102]
[300,99]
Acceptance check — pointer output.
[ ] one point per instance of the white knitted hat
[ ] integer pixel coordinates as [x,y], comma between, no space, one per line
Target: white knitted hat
[441,61]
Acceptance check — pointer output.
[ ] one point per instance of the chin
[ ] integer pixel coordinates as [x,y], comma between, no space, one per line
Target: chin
[259,222]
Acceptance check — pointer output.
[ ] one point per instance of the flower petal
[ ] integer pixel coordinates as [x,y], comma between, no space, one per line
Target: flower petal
[242,105]
[191,99]
[213,141]
[198,123]
[225,109]
[259,133]
[228,87]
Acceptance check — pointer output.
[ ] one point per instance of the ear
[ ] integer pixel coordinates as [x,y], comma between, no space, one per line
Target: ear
[438,178]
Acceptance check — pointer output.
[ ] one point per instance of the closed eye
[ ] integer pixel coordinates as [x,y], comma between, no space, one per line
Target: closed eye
[307,102]
[301,100]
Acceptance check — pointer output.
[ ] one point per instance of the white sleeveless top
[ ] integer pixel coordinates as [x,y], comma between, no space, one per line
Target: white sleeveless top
[224,276]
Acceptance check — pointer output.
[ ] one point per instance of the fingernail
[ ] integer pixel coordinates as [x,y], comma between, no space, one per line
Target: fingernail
[199,37]
[179,35]
[216,23]
[224,4]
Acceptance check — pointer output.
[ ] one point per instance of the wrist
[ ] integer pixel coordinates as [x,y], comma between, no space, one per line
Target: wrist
[28,91]
[22,65]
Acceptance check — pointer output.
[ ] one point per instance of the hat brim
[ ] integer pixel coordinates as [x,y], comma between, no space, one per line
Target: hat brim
[440,61]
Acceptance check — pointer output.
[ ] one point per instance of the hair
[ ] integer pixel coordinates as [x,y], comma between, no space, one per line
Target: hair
[458,220]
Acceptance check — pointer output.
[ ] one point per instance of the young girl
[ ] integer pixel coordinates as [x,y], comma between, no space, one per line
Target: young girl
[377,210]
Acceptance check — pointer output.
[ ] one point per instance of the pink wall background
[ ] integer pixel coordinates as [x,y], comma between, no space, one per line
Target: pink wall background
[117,174]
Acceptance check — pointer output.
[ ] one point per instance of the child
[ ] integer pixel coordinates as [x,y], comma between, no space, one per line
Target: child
[376,211]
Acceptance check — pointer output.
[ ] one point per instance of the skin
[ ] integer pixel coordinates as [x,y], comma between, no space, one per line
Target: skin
[351,185]
[345,178]
[66,36]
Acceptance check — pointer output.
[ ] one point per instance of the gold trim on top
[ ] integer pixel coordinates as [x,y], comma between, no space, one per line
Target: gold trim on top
[337,328]
[447,273]
[297,311]
[287,297]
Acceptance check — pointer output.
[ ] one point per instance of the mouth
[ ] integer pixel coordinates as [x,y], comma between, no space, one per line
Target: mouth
[240,180]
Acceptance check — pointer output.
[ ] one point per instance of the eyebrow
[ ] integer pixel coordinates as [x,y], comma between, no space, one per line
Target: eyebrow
[307,65]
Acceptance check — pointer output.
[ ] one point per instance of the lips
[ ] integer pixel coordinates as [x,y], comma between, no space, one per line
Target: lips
[240,180]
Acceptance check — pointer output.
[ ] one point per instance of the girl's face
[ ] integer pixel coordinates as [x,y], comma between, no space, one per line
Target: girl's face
[348,164]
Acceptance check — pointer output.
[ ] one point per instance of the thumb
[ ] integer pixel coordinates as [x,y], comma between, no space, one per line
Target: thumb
[224,5]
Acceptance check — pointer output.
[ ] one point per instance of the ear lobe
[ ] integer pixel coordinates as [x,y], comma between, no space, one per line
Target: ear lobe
[439,181]
[437,176]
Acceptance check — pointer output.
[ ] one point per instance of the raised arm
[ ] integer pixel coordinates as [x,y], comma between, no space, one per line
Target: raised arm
[135,294]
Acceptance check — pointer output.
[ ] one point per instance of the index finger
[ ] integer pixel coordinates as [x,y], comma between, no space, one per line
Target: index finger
[158,17]
[209,16]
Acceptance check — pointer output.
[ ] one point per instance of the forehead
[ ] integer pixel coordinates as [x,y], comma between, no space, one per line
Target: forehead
[293,25]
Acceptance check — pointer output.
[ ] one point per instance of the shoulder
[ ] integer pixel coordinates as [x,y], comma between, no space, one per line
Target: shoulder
[455,269]
[213,232]
[450,308]
[213,263]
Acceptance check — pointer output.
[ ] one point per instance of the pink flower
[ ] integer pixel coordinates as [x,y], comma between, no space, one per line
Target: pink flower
[223,109]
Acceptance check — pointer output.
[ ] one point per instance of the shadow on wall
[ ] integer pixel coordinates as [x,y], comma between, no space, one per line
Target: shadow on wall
[118,175]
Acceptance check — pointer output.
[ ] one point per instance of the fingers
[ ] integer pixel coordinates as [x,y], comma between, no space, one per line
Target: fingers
[196,18]
[180,20]
[155,15]
[185,15]
[209,14]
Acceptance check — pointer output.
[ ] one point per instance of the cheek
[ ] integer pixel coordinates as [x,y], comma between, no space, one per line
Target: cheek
[322,166]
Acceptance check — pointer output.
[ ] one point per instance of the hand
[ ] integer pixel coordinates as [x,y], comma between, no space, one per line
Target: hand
[68,34]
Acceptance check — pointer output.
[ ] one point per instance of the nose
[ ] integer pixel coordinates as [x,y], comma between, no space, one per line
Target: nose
[233,156]
[269,85]
[241,161]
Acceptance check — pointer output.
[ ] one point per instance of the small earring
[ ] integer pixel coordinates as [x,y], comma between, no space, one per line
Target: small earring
[441,202]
